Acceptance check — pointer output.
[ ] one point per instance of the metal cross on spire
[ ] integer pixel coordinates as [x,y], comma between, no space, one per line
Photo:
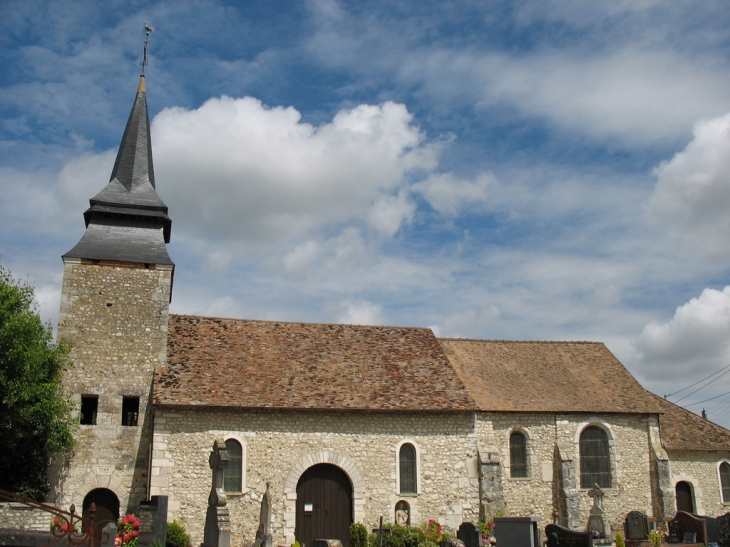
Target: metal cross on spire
[148,29]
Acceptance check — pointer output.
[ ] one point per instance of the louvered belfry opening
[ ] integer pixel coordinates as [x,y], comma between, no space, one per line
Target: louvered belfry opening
[518,455]
[407,462]
[595,459]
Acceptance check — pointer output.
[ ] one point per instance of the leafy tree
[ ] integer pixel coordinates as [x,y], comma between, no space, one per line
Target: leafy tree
[35,414]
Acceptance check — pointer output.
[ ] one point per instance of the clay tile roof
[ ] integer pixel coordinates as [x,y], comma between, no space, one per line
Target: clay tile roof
[267,364]
[685,430]
[546,377]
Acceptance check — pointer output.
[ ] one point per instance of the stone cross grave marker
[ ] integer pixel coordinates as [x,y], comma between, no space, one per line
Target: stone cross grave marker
[595,519]
[217,521]
[380,531]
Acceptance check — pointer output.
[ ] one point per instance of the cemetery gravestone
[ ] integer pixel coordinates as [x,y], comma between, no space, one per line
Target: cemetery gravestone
[596,524]
[469,534]
[636,526]
[263,534]
[723,526]
[517,531]
[685,523]
[217,521]
[560,536]
[713,530]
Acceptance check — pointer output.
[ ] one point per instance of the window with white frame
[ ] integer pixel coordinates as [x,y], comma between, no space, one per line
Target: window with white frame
[518,455]
[725,481]
[233,473]
[407,469]
[595,458]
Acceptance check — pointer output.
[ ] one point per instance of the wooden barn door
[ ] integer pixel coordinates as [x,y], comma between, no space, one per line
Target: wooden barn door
[324,505]
[684,497]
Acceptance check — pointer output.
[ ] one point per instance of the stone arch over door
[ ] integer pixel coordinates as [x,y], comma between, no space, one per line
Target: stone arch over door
[107,506]
[695,490]
[290,487]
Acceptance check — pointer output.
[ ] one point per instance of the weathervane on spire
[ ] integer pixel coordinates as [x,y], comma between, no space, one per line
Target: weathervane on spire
[148,29]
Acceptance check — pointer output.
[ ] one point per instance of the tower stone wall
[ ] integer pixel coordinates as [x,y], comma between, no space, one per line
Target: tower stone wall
[115,317]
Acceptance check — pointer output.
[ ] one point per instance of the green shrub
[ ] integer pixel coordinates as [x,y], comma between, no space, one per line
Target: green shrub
[176,535]
[358,535]
[656,538]
[296,544]
[620,540]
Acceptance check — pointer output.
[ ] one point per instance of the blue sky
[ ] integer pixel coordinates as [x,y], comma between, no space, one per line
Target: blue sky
[514,170]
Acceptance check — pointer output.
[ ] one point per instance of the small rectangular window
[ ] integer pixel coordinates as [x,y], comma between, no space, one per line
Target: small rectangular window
[89,406]
[130,411]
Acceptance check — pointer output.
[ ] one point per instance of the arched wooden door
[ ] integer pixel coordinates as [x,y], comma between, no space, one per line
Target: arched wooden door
[683,491]
[107,507]
[324,505]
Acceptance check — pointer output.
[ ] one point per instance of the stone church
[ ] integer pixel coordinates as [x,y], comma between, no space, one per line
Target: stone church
[346,423]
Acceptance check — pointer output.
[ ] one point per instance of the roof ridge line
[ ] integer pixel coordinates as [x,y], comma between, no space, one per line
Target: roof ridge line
[519,341]
[297,322]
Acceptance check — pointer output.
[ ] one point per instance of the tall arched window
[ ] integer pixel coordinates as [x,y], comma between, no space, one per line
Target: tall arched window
[595,458]
[725,481]
[408,469]
[517,455]
[233,473]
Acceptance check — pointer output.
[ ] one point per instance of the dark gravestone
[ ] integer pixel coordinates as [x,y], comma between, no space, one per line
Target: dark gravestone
[516,531]
[469,534]
[451,543]
[326,543]
[713,530]
[685,523]
[560,536]
[723,526]
[153,521]
[636,526]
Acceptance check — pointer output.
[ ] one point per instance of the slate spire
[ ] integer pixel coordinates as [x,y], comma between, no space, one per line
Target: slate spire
[127,221]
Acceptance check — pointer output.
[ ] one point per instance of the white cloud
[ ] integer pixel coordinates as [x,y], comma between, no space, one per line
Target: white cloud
[692,194]
[275,176]
[634,83]
[357,312]
[388,213]
[694,342]
[448,195]
[466,323]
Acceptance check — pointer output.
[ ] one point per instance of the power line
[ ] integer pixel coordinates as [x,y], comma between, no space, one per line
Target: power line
[702,387]
[710,399]
[698,381]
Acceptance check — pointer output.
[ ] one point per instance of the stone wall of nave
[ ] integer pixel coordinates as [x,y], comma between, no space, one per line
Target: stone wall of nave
[279,445]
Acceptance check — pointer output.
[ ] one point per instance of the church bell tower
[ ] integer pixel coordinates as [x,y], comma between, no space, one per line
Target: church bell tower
[117,286]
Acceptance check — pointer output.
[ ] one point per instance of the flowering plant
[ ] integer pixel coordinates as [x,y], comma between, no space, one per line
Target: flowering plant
[434,531]
[61,525]
[485,527]
[127,532]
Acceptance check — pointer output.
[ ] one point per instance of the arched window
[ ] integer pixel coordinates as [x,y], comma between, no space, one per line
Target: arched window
[233,474]
[595,458]
[725,481]
[407,469]
[517,455]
